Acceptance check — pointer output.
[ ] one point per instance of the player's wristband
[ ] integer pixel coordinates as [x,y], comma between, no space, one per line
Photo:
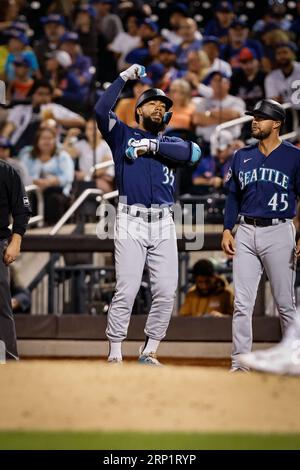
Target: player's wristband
[153,145]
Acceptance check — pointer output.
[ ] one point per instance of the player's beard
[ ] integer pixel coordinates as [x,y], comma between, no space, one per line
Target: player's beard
[260,135]
[152,126]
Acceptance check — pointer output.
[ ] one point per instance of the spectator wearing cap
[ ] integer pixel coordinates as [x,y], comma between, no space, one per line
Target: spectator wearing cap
[81,64]
[18,46]
[214,167]
[67,89]
[126,106]
[108,24]
[237,39]
[126,41]
[183,108]
[24,120]
[167,57]
[282,83]
[247,82]
[175,14]
[218,108]
[210,295]
[6,155]
[147,32]
[54,28]
[219,25]
[19,88]
[212,48]
[84,23]
[275,14]
[191,41]
[270,37]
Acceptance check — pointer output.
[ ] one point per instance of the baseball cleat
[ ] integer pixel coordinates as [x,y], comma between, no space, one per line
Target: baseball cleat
[283,358]
[238,369]
[148,358]
[114,360]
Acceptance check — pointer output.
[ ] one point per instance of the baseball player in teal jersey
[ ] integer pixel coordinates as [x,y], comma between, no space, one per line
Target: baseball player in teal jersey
[264,183]
[145,162]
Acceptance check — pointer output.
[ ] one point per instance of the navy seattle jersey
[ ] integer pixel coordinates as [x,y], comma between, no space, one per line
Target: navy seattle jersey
[150,179]
[261,186]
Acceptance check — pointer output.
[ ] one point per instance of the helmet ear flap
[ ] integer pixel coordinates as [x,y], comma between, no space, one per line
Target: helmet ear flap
[167,117]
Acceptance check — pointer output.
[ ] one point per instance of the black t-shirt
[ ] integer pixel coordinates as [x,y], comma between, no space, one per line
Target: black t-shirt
[13,202]
[249,91]
[27,137]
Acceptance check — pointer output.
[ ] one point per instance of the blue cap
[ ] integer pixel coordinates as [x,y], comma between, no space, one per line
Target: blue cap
[69,36]
[270,26]
[291,45]
[168,47]
[53,18]
[213,39]
[211,75]
[152,24]
[20,26]
[238,22]
[87,9]
[137,56]
[5,143]
[14,33]
[146,81]
[179,8]
[224,6]
[22,60]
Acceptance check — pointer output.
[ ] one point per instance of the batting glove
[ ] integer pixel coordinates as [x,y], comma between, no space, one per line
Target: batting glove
[134,72]
[139,147]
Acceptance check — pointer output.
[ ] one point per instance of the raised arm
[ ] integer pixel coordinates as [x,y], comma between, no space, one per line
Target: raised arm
[106,118]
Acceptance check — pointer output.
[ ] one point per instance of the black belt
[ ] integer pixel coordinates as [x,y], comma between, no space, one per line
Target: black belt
[261,222]
[147,216]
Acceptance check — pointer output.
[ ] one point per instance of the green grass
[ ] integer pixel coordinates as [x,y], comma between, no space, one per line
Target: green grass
[12,440]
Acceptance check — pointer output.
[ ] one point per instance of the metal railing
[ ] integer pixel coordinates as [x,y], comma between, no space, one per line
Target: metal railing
[39,218]
[50,270]
[101,166]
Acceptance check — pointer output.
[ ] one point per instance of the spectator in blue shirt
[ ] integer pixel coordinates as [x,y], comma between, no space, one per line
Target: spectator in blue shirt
[81,64]
[219,25]
[17,46]
[213,168]
[237,39]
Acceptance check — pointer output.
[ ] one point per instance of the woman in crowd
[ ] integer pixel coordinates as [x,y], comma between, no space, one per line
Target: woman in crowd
[52,170]
[183,108]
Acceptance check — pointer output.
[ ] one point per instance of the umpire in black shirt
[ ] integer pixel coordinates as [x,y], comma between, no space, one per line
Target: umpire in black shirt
[13,203]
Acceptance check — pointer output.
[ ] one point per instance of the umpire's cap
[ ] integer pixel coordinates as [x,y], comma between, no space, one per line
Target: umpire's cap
[152,94]
[268,109]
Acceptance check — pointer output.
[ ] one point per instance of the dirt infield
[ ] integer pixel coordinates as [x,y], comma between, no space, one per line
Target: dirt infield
[91,395]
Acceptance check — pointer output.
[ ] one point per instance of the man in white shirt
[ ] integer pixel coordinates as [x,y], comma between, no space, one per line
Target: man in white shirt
[283,83]
[24,120]
[125,42]
[211,46]
[220,107]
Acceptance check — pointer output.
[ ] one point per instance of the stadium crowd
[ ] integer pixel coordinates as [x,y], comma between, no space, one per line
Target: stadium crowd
[215,59]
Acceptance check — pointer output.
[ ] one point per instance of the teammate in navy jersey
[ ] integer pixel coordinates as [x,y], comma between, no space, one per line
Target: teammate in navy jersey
[145,163]
[264,183]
